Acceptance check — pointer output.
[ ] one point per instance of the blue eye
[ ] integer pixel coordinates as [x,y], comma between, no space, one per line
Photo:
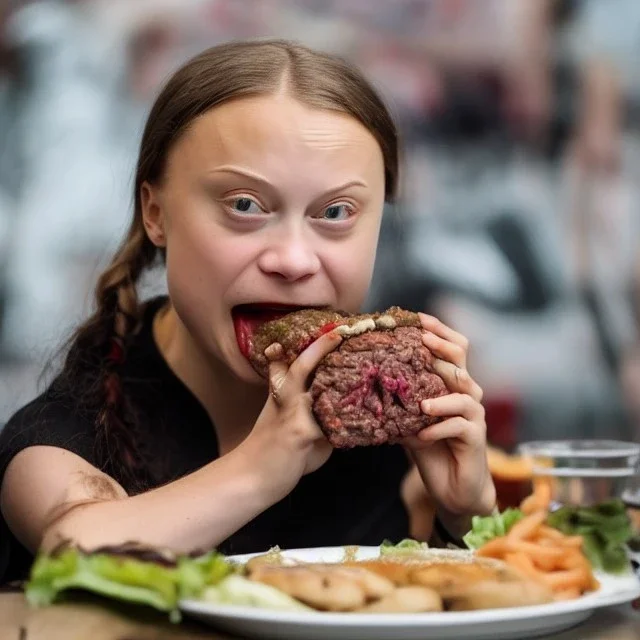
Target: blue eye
[337,212]
[245,205]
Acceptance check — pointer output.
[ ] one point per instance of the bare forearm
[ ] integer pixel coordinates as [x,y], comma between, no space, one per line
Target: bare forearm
[196,512]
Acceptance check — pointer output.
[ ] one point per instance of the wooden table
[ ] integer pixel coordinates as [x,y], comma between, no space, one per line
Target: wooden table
[94,619]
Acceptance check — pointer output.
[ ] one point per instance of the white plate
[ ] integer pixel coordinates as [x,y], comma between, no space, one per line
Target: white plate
[494,624]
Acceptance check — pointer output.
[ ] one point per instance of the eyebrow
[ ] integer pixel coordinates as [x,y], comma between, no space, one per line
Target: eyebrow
[256,177]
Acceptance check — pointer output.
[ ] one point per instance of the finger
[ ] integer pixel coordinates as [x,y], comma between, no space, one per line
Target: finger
[308,360]
[412,443]
[274,352]
[278,370]
[445,350]
[458,380]
[430,323]
[454,404]
[457,427]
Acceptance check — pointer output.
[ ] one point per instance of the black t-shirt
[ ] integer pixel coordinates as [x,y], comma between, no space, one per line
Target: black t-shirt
[353,499]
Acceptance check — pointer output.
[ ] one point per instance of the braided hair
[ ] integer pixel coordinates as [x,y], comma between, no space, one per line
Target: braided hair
[99,348]
[96,352]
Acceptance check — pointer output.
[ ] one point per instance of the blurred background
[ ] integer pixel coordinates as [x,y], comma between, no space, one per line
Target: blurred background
[518,223]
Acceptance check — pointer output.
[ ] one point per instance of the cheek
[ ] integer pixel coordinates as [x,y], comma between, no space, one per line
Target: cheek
[350,267]
[202,253]
[187,268]
[202,262]
[191,258]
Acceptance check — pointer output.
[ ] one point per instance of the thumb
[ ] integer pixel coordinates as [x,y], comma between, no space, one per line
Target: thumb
[278,369]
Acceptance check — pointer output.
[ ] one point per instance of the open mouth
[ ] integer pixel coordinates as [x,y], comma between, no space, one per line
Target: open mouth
[248,317]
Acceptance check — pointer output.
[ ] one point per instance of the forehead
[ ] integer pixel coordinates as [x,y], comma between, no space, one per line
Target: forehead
[282,139]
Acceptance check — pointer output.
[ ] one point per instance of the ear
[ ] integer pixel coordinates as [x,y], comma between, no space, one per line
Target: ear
[152,214]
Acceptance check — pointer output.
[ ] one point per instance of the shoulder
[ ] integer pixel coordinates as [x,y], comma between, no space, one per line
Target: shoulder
[50,420]
[65,415]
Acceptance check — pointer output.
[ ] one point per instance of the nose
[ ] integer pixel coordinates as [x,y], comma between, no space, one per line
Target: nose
[289,256]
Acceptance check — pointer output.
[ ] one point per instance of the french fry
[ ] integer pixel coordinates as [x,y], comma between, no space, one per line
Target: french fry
[563,580]
[535,551]
[550,533]
[573,560]
[540,499]
[521,561]
[541,552]
[495,548]
[529,505]
[567,594]
[572,541]
[542,487]
[545,542]
[528,526]
[546,563]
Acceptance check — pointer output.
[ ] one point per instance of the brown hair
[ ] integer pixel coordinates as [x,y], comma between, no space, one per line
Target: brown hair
[222,73]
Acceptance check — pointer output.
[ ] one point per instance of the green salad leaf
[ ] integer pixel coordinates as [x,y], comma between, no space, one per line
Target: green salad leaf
[606,530]
[404,547]
[122,577]
[487,528]
[238,590]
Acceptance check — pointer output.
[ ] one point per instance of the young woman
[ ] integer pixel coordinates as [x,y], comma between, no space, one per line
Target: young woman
[263,172]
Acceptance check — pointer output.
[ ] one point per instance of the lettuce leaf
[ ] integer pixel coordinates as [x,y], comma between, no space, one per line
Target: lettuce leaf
[124,578]
[195,574]
[606,530]
[486,528]
[406,546]
[237,590]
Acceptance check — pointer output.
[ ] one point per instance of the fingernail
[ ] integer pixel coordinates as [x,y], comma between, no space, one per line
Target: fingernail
[274,351]
[426,406]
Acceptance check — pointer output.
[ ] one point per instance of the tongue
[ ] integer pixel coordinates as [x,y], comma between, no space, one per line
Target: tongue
[245,324]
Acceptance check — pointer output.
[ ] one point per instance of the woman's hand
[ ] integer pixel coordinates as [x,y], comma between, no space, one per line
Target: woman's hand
[286,442]
[451,455]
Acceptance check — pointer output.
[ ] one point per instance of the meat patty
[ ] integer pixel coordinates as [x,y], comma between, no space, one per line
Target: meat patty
[368,391]
[295,332]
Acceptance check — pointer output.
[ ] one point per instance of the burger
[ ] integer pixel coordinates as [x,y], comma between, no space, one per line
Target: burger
[367,391]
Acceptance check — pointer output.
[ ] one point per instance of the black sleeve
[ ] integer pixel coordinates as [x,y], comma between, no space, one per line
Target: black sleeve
[44,421]
[47,421]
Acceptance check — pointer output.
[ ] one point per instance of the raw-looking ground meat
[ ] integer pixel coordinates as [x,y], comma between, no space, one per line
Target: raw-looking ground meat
[368,391]
[297,330]
[294,332]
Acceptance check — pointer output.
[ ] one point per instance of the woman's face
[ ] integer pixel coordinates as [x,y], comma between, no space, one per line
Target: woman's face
[266,205]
